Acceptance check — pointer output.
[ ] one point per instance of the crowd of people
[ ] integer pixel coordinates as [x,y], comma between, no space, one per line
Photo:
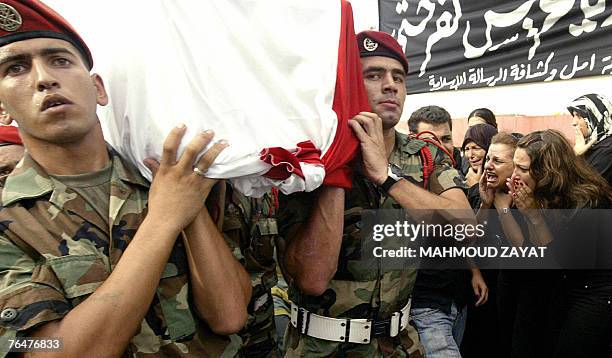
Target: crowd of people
[95,256]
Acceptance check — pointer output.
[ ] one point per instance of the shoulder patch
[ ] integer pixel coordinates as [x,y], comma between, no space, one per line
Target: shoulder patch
[413,146]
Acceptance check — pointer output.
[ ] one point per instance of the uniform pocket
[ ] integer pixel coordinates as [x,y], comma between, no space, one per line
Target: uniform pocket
[79,274]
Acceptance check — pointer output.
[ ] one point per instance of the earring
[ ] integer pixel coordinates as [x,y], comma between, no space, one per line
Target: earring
[5,118]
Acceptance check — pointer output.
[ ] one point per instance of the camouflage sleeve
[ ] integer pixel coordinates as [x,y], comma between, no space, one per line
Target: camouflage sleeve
[30,294]
[444,176]
[294,209]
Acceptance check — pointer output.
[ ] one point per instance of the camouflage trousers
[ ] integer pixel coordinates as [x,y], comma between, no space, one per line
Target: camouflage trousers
[259,337]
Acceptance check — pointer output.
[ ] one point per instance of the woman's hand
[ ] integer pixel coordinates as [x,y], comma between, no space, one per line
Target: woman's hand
[473,177]
[580,146]
[487,194]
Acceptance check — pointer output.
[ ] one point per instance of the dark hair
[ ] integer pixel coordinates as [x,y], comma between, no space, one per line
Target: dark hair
[480,134]
[563,180]
[431,115]
[517,135]
[485,114]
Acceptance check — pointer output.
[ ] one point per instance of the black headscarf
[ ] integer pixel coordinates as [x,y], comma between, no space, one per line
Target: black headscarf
[480,134]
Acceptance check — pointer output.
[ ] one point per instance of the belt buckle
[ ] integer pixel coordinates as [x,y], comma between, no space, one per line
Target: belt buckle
[389,327]
[396,324]
[381,328]
[303,320]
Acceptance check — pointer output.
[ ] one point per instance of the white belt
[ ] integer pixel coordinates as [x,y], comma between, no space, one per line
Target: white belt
[353,330]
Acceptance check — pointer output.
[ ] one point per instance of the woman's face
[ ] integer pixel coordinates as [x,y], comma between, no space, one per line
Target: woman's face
[498,165]
[522,163]
[581,124]
[475,155]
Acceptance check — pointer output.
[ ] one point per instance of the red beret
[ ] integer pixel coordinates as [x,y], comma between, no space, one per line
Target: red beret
[378,43]
[28,19]
[10,134]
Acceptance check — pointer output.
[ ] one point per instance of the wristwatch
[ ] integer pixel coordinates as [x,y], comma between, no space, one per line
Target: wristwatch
[394,174]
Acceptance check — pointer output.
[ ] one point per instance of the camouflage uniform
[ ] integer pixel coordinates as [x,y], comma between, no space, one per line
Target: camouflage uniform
[249,228]
[358,288]
[55,251]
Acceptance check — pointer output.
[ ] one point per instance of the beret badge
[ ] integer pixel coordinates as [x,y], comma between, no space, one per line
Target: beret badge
[10,19]
[369,45]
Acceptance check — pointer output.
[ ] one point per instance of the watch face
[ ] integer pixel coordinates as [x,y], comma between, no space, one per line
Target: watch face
[395,172]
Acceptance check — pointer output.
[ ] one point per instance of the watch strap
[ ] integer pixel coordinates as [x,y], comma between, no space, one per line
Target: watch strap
[394,174]
[386,186]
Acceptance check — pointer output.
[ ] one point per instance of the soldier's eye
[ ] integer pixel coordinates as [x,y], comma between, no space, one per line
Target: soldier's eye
[15,69]
[61,61]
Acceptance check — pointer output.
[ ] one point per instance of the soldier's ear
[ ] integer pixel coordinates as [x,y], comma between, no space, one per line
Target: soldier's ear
[5,117]
[101,95]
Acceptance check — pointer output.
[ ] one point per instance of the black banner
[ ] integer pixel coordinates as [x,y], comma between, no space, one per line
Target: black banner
[458,44]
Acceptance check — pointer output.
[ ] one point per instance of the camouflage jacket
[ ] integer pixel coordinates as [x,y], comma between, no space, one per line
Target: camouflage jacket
[55,251]
[249,227]
[361,288]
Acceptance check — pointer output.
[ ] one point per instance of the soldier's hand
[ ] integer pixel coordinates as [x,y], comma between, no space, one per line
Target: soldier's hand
[180,187]
[368,129]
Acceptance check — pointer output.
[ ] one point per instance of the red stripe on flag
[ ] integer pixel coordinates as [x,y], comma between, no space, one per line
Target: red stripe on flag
[350,98]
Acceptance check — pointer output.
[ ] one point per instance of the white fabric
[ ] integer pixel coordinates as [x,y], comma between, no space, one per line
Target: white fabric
[259,73]
[253,185]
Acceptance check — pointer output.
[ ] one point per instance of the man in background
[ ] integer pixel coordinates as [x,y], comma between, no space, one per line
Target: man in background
[438,121]
[11,151]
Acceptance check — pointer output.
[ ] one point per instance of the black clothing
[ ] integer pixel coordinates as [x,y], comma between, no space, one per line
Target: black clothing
[585,318]
[600,157]
[440,288]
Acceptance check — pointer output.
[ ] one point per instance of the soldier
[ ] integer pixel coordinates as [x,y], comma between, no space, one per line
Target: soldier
[250,229]
[341,306]
[88,250]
